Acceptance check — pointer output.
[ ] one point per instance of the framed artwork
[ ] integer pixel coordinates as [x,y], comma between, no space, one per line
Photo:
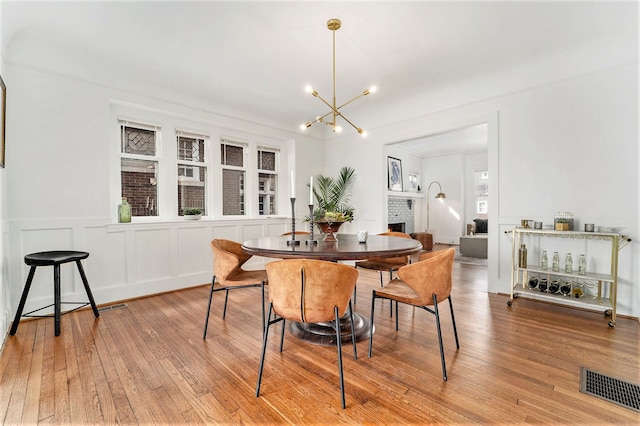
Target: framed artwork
[414,179]
[3,111]
[394,174]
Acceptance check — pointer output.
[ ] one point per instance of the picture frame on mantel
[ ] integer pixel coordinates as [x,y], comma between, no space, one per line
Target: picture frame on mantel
[3,111]
[394,174]
[414,179]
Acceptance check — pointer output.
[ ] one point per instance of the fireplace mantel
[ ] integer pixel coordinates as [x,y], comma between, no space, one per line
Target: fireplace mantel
[397,194]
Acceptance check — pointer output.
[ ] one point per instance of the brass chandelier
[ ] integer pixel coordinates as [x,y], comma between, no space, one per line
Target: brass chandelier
[334,25]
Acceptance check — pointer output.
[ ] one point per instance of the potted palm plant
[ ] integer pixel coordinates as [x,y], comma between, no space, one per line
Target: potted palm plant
[332,197]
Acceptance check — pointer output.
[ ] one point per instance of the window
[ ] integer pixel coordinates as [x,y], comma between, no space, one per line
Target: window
[165,165]
[232,155]
[139,167]
[267,181]
[192,172]
[482,192]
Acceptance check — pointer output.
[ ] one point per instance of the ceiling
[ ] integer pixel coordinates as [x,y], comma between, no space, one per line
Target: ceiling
[253,59]
[470,139]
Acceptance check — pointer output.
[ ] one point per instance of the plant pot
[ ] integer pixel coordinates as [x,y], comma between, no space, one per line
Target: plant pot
[329,229]
[193,216]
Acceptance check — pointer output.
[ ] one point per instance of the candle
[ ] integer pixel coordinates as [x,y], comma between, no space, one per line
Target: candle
[293,186]
[311,191]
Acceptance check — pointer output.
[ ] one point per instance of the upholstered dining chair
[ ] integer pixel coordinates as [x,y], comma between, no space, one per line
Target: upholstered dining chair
[297,233]
[228,259]
[383,264]
[310,291]
[423,284]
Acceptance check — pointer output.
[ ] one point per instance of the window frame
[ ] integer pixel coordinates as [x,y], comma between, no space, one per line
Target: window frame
[275,172]
[194,165]
[244,145]
[157,159]
[166,126]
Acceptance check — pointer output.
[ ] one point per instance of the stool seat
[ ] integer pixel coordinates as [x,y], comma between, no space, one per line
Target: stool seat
[48,258]
[53,258]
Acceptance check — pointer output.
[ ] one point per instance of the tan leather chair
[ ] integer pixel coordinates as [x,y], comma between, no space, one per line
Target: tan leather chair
[228,259]
[422,284]
[297,233]
[310,291]
[383,264]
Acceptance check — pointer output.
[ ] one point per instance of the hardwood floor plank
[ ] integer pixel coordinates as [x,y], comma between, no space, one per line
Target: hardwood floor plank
[62,412]
[34,384]
[124,411]
[147,363]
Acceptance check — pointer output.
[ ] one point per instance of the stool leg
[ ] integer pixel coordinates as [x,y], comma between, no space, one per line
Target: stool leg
[23,299]
[56,297]
[87,289]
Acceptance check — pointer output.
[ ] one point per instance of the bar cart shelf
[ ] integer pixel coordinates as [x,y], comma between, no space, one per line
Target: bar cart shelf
[604,284]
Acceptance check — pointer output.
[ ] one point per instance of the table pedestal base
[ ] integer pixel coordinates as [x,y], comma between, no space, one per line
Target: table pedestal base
[323,333]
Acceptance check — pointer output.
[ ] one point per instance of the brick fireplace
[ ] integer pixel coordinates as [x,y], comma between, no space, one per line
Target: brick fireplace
[400,213]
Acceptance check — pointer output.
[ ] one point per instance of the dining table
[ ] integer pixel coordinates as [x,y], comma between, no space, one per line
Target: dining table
[346,248]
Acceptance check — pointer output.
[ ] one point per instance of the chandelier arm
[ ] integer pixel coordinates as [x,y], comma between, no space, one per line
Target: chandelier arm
[333,108]
[318,119]
[348,121]
[365,93]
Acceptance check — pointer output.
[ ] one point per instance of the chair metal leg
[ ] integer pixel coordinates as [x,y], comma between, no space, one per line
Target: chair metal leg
[23,299]
[85,282]
[373,307]
[263,312]
[284,324]
[353,332]
[56,298]
[206,321]
[339,345]
[391,301]
[226,299]
[264,349]
[453,320]
[435,309]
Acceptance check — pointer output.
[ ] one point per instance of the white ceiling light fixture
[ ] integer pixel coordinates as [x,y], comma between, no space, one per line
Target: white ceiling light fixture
[334,25]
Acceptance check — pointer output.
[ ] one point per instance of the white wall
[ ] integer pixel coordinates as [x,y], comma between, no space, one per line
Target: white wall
[446,216]
[5,305]
[569,145]
[61,173]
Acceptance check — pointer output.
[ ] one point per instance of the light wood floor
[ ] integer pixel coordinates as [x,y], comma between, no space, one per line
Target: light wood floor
[147,363]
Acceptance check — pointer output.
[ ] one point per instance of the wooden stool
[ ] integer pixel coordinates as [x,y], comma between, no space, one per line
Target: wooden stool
[55,259]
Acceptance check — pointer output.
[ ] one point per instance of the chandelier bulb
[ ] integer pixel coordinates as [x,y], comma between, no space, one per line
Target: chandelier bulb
[308,88]
[337,129]
[373,89]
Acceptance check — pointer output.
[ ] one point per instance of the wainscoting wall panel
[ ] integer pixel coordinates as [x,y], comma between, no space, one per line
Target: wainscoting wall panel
[192,259]
[126,260]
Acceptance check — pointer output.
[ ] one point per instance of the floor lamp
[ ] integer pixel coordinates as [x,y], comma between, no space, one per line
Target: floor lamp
[440,196]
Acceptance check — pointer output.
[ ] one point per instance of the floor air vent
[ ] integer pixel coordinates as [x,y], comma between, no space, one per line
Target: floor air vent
[112,307]
[610,389]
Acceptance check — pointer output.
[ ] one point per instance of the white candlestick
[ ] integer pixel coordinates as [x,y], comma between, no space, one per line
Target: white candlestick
[311,191]
[293,186]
